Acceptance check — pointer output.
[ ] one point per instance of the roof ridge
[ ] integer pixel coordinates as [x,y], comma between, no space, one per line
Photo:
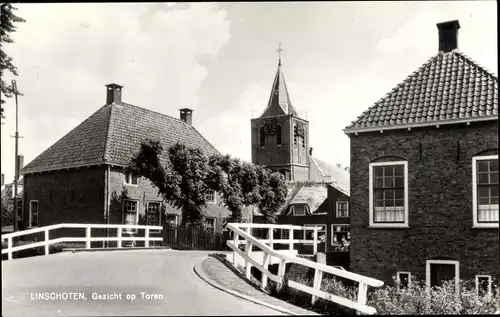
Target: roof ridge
[429,61]
[154,111]
[317,165]
[475,63]
[108,128]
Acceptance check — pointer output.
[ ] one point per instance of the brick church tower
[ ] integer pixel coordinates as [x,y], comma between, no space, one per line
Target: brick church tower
[280,138]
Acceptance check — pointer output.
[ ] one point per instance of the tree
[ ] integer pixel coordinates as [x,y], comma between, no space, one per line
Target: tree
[7,26]
[7,210]
[187,175]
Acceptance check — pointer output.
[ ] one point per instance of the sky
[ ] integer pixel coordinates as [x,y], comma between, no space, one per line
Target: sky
[219,59]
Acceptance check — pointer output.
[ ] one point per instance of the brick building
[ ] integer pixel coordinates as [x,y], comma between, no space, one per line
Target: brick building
[424,174]
[81,179]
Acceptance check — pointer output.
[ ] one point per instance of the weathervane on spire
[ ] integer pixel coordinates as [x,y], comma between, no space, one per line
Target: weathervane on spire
[279,50]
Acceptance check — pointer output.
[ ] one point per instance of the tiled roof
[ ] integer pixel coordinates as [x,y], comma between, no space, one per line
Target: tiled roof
[450,87]
[313,195]
[279,100]
[112,135]
[338,176]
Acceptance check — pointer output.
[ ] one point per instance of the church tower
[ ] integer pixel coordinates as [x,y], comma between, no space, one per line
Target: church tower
[280,138]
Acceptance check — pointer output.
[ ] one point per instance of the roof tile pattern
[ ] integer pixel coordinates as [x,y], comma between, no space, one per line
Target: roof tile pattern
[449,86]
[113,134]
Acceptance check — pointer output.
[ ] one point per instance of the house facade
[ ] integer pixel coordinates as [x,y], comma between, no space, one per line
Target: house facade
[82,179]
[424,174]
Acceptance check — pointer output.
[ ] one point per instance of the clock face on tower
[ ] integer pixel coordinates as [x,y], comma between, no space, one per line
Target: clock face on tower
[270,127]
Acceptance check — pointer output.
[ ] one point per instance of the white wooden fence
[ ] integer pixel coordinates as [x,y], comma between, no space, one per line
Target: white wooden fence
[87,239]
[266,245]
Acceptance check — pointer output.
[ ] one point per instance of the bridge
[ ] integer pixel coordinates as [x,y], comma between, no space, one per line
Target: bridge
[153,281]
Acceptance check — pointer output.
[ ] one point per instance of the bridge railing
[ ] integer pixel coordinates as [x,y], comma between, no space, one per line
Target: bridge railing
[265,245]
[87,239]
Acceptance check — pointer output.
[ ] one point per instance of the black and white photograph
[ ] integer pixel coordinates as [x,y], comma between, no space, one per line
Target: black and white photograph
[249,158]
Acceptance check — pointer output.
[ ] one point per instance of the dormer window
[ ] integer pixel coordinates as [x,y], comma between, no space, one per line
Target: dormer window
[262,136]
[279,141]
[299,209]
[131,179]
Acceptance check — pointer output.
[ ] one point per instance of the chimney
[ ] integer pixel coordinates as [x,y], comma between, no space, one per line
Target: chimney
[310,151]
[187,115]
[113,94]
[448,35]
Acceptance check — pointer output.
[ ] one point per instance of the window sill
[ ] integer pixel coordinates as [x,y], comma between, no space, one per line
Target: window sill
[485,226]
[388,226]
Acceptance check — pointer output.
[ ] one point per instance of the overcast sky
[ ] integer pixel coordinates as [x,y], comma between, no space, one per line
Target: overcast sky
[220,60]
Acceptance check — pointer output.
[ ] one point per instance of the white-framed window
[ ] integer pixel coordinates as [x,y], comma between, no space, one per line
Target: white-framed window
[485,191]
[211,223]
[388,194]
[340,232]
[342,209]
[437,271]
[131,179]
[153,214]
[483,285]
[210,197]
[130,214]
[173,220]
[298,209]
[33,214]
[321,232]
[403,280]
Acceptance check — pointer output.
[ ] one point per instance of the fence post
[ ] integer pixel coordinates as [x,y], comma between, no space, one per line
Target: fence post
[318,277]
[46,242]
[146,243]
[315,241]
[265,264]
[88,238]
[248,265]
[281,272]
[236,244]
[119,234]
[290,238]
[9,247]
[362,290]
[271,238]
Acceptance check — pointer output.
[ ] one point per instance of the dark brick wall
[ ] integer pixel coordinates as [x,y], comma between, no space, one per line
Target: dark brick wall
[440,202]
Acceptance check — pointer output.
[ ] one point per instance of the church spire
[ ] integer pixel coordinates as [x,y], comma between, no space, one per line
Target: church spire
[279,101]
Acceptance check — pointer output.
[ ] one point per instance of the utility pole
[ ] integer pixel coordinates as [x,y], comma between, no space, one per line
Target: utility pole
[16,175]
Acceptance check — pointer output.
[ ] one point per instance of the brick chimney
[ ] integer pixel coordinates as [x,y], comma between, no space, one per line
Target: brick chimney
[448,35]
[186,115]
[114,94]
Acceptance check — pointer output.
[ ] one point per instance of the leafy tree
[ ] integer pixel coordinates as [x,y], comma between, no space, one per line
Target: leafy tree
[188,175]
[7,210]
[7,25]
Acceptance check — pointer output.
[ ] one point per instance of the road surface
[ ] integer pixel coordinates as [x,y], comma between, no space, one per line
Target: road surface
[113,283]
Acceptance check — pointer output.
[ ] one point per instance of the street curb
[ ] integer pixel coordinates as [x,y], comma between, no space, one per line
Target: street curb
[199,271]
[114,249]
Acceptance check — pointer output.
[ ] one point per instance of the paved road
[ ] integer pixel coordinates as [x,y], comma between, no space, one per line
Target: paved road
[165,273]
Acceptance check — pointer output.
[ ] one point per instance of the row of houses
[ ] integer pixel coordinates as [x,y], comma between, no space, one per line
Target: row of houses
[420,199]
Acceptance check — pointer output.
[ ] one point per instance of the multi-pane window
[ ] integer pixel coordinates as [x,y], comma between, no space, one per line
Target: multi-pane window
[131,179]
[486,189]
[210,197]
[278,135]
[340,233]
[33,221]
[388,193]
[342,209]
[403,280]
[298,209]
[130,213]
[262,136]
[321,232]
[210,224]
[153,214]
[483,285]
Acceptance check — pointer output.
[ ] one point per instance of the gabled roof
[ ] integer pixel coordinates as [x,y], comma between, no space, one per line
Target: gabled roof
[279,100]
[449,88]
[336,175]
[112,135]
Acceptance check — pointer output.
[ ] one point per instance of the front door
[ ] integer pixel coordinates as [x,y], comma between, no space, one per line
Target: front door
[441,272]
